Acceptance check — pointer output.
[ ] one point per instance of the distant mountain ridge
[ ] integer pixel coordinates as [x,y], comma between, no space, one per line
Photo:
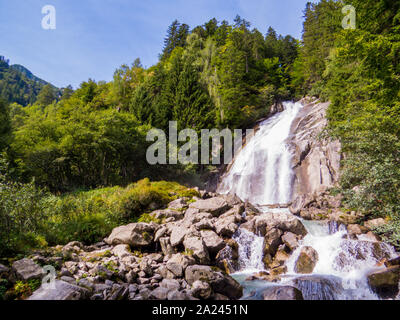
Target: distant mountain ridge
[28,73]
[18,84]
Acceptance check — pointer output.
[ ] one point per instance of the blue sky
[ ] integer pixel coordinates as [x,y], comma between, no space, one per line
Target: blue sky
[94,37]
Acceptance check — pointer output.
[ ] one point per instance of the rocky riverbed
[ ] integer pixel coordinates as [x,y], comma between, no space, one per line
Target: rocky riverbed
[190,254]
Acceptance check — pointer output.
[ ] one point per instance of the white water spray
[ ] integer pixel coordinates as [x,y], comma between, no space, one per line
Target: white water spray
[261,172]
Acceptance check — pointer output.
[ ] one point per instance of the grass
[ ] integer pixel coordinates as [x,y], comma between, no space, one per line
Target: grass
[90,216]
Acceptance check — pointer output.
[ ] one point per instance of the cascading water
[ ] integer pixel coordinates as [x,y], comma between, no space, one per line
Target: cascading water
[262,175]
[261,172]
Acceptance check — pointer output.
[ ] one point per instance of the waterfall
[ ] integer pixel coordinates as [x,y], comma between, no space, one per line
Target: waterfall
[250,250]
[262,175]
[261,172]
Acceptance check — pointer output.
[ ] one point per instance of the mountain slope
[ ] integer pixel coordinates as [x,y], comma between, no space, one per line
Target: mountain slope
[18,84]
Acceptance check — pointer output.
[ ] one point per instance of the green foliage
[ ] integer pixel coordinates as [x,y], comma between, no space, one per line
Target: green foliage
[358,71]
[22,216]
[17,84]
[24,289]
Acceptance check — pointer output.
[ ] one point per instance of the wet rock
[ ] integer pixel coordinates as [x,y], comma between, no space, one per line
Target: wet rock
[272,241]
[212,241]
[393,262]
[356,229]
[318,287]
[61,291]
[201,289]
[307,260]
[385,282]
[280,258]
[282,293]
[226,259]
[278,271]
[25,269]
[316,161]
[291,240]
[282,221]
[216,206]
[134,234]
[265,276]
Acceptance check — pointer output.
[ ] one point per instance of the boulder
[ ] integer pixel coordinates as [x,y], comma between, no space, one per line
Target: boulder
[219,282]
[307,260]
[166,246]
[195,246]
[170,284]
[212,241]
[216,206]
[226,226]
[385,283]
[60,291]
[371,224]
[182,260]
[159,294]
[201,289]
[282,293]
[282,221]
[25,269]
[178,234]
[356,229]
[167,213]
[290,240]
[121,251]
[134,234]
[178,204]
[272,241]
[319,287]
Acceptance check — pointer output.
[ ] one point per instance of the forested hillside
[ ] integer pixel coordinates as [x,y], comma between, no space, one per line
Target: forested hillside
[19,85]
[216,75]
[359,72]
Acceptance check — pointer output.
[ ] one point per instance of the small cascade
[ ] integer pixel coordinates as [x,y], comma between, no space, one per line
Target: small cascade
[250,250]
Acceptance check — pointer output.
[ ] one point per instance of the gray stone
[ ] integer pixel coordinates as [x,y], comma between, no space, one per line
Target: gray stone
[160,293]
[195,245]
[282,293]
[170,284]
[306,261]
[134,234]
[216,206]
[201,289]
[220,282]
[212,241]
[62,291]
[25,269]
[291,240]
[385,282]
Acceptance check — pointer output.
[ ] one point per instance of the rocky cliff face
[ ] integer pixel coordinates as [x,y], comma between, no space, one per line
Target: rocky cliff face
[316,160]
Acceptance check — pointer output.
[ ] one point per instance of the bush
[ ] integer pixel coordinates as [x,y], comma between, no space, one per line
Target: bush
[22,216]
